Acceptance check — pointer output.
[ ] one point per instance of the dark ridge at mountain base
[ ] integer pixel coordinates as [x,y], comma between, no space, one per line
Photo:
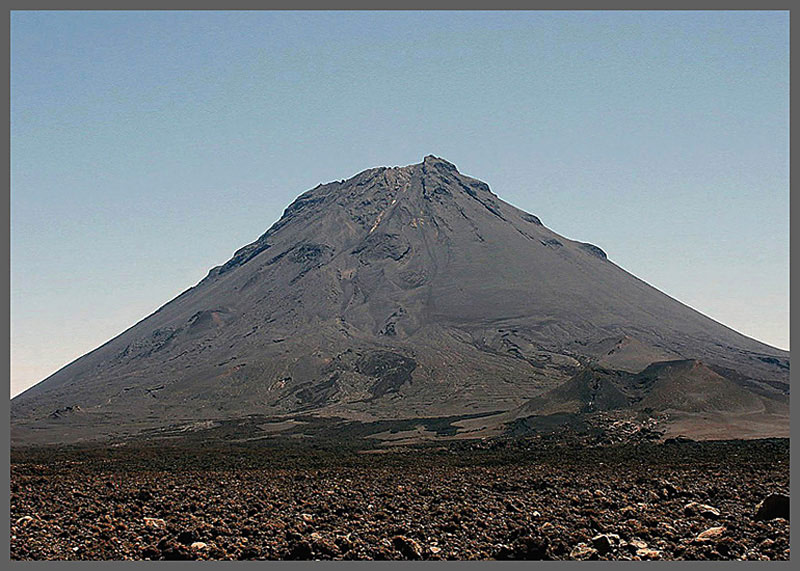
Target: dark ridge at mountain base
[404,294]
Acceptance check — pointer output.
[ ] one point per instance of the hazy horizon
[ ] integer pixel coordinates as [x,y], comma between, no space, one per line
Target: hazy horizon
[147,147]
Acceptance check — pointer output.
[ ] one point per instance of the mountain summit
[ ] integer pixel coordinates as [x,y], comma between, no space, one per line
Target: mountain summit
[404,293]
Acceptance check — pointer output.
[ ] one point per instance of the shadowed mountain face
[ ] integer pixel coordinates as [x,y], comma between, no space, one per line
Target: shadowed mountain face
[399,293]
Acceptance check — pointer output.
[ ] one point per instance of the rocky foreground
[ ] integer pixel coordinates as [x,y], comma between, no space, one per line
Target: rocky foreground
[676,500]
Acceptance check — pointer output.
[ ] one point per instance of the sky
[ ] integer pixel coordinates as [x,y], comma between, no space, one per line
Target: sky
[146,147]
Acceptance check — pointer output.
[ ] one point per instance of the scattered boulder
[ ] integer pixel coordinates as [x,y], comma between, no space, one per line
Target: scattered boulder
[326,547]
[583,552]
[24,520]
[709,535]
[323,546]
[694,508]
[669,490]
[627,510]
[155,523]
[529,548]
[150,552]
[407,547]
[647,553]
[634,545]
[174,551]
[773,506]
[503,552]
[344,543]
[198,545]
[300,550]
[605,542]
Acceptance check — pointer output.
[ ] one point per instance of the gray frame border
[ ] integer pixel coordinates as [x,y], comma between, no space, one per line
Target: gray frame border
[352,5]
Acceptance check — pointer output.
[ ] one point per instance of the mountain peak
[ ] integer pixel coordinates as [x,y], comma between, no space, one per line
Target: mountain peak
[438,162]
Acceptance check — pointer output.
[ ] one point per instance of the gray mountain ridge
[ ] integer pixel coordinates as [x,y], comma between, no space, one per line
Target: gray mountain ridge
[400,293]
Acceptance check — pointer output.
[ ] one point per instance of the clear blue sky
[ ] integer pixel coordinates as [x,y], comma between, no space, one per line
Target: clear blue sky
[147,147]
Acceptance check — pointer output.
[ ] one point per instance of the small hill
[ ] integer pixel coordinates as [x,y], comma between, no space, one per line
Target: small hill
[695,400]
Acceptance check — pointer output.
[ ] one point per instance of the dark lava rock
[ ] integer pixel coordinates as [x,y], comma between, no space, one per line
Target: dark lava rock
[774,505]
[605,542]
[172,551]
[187,537]
[670,490]
[531,548]
[249,553]
[525,548]
[409,548]
[299,551]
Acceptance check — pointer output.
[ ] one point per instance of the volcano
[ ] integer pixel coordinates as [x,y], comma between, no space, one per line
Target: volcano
[410,293]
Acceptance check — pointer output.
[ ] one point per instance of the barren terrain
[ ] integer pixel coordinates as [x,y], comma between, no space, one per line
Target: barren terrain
[512,499]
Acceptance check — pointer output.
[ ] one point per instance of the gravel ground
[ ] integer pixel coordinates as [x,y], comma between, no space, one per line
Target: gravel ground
[679,501]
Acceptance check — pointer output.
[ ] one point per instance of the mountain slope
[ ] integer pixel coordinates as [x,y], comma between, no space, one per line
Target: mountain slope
[399,293]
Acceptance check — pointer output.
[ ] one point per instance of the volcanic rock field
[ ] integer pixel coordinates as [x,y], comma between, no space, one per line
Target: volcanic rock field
[517,499]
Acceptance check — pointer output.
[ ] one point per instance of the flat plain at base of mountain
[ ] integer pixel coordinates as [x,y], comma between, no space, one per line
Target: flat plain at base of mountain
[494,500]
